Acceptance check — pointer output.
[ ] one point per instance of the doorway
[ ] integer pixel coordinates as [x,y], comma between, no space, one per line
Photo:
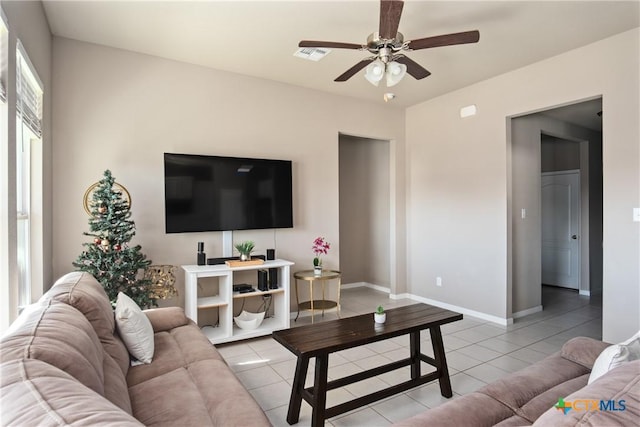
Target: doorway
[365,211]
[579,126]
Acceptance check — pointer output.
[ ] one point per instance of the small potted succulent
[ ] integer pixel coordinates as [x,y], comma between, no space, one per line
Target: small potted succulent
[245,249]
[379,316]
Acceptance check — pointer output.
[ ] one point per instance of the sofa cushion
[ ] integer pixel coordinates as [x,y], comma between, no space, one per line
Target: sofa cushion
[82,291]
[529,385]
[33,392]
[59,335]
[174,349]
[205,392]
[475,409]
[616,355]
[115,385]
[166,318]
[620,386]
[537,406]
[583,350]
[134,328]
[513,421]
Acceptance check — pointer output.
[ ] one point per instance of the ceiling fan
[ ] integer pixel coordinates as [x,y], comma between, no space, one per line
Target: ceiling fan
[387,45]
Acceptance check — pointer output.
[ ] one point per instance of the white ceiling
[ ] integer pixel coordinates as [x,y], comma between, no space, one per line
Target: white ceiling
[258,38]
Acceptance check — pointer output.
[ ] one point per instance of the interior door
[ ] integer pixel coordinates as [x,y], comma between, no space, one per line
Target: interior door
[560,229]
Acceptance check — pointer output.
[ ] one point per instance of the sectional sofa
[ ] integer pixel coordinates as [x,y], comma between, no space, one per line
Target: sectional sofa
[64,363]
[552,392]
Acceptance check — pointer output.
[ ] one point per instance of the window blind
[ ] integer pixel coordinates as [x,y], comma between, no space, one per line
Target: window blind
[29,93]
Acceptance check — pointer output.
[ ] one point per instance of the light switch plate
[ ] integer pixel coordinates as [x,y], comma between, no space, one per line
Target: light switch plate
[636,214]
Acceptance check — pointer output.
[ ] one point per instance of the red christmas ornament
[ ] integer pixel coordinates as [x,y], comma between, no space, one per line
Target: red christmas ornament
[102,209]
[117,247]
[97,240]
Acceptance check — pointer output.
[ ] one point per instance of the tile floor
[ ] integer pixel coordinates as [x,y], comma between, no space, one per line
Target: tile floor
[478,352]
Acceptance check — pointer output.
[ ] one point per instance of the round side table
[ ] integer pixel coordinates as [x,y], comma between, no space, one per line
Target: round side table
[321,304]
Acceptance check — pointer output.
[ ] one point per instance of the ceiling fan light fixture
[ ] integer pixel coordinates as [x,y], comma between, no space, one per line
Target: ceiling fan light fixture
[375,72]
[395,73]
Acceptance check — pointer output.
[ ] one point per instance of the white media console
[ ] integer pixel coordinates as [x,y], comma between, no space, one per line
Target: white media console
[225,299]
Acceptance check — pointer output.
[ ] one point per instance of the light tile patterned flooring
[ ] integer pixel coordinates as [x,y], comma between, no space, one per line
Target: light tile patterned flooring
[478,352]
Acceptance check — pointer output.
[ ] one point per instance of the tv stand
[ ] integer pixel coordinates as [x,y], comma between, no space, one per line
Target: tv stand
[224,301]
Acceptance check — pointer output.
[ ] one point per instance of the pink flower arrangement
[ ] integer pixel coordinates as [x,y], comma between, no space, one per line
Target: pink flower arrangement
[320,246]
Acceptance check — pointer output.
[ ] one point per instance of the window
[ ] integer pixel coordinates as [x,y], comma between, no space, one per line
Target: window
[28,133]
[3,65]
[5,299]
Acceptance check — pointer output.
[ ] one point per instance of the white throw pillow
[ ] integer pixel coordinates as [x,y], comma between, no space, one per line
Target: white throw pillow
[614,356]
[135,328]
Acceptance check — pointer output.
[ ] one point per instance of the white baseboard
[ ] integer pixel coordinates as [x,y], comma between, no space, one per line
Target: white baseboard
[480,315]
[527,312]
[379,288]
[353,285]
[488,317]
[366,285]
[585,293]
[400,296]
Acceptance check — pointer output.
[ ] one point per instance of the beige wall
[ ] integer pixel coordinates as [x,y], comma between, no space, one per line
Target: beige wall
[458,191]
[364,210]
[121,110]
[27,23]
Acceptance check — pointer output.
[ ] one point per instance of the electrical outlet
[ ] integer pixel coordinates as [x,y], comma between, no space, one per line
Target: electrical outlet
[438,281]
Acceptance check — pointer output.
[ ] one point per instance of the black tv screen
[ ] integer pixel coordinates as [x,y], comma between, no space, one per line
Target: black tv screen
[212,193]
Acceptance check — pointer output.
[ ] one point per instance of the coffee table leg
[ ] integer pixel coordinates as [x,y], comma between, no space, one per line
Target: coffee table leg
[296,390]
[441,361]
[414,348]
[320,391]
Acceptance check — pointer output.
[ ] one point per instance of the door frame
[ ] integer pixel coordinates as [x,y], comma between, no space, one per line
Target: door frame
[525,154]
[397,268]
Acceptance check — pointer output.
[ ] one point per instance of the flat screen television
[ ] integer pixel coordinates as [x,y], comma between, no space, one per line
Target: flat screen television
[213,193]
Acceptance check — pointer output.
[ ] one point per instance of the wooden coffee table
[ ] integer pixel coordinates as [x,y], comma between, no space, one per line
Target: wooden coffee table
[319,340]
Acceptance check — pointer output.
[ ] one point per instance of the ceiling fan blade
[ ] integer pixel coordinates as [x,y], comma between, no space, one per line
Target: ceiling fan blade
[333,45]
[416,70]
[390,12]
[445,40]
[351,71]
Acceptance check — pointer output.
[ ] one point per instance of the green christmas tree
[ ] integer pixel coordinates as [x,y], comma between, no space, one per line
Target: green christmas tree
[109,258]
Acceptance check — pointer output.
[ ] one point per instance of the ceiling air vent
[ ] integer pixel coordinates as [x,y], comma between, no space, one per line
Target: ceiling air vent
[311,53]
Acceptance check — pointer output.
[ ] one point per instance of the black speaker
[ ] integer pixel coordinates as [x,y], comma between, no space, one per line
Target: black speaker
[263,280]
[202,257]
[273,278]
[271,254]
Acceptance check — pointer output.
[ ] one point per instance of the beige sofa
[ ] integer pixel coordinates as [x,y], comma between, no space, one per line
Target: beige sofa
[529,396]
[63,363]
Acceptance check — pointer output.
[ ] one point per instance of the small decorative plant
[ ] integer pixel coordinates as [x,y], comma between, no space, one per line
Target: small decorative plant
[245,249]
[379,316]
[320,247]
